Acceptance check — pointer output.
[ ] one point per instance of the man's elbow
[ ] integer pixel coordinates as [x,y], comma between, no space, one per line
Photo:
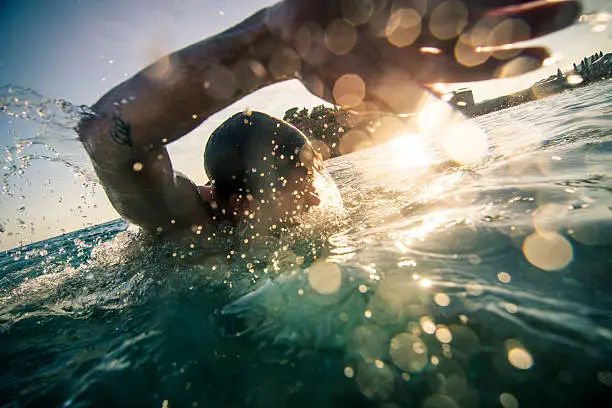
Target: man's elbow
[89,131]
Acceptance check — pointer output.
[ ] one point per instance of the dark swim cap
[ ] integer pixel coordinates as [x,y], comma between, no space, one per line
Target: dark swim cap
[253,153]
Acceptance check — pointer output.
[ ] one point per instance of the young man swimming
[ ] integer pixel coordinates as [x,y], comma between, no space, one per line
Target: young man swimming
[366,54]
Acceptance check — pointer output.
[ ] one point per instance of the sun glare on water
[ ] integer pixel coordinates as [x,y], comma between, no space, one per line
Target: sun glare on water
[327,191]
[459,139]
[410,151]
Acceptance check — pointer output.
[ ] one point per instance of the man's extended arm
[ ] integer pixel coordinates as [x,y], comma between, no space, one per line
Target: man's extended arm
[133,122]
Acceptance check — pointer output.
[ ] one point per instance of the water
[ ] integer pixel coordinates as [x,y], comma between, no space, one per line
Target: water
[442,284]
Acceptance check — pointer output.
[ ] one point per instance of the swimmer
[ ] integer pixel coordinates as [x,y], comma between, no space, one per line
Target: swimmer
[366,54]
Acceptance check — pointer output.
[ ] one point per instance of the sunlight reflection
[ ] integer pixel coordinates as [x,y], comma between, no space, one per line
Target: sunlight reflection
[461,140]
[574,79]
[465,143]
[327,191]
[425,283]
[433,115]
[414,152]
[430,223]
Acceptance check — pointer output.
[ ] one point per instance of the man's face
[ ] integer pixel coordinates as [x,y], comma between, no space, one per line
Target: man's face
[290,194]
[303,185]
[296,193]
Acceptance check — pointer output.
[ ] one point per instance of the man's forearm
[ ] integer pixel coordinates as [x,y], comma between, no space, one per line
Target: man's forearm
[175,94]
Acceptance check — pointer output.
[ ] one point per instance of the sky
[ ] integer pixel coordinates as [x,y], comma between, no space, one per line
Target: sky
[76,50]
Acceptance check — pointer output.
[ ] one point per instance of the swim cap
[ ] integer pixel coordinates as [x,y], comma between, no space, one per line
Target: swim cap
[253,153]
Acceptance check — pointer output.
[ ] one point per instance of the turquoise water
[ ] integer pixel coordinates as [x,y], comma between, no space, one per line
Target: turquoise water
[441,284]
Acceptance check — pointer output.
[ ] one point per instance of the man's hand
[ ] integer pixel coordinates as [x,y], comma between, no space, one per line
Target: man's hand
[376,54]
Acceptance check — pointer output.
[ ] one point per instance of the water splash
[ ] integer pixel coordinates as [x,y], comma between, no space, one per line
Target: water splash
[54,122]
[40,134]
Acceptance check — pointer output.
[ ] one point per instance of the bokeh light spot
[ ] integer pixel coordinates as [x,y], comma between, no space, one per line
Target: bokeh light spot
[509,31]
[510,307]
[219,82]
[518,66]
[443,334]
[349,90]
[442,299]
[448,19]
[340,37]
[549,251]
[325,277]
[468,54]
[605,377]
[403,27]
[427,325]
[285,63]
[375,381]
[464,143]
[369,342]
[160,69]
[408,352]
[357,12]
[504,277]
[520,358]
[508,400]
[353,141]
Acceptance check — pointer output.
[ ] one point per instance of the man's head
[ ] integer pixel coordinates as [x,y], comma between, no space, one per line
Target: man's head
[255,159]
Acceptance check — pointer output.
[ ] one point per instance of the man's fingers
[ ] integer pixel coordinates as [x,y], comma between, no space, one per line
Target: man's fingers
[541,16]
[376,54]
[468,64]
[482,25]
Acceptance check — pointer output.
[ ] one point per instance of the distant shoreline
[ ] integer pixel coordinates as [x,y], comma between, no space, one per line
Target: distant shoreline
[590,70]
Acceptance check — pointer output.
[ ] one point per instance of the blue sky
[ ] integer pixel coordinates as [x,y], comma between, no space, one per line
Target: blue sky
[78,49]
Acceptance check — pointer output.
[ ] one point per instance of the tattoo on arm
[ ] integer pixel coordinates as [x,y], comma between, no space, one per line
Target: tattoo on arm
[120,133]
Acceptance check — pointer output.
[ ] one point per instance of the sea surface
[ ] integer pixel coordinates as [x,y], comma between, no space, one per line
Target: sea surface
[470,267]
